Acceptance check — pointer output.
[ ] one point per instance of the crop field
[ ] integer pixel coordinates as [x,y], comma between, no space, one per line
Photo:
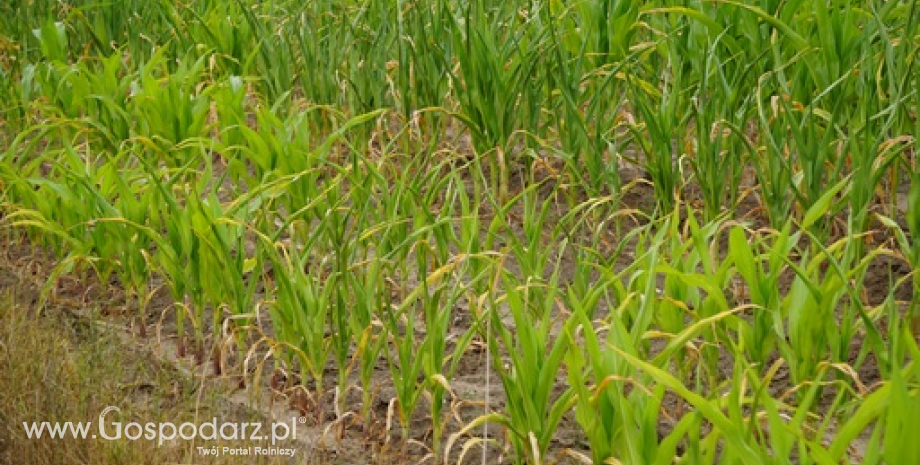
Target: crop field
[481,231]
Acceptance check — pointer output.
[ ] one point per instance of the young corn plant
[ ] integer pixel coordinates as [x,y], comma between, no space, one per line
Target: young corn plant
[64,214]
[300,313]
[107,240]
[817,324]
[695,284]
[528,351]
[590,43]
[727,439]
[223,246]
[534,408]
[439,318]
[411,354]
[89,94]
[499,86]
[118,236]
[720,112]
[170,107]
[659,131]
[909,250]
[37,196]
[336,231]
[617,413]
[413,254]
[114,27]
[369,297]
[273,59]
[760,286]
[179,228]
[425,57]
[321,37]
[441,357]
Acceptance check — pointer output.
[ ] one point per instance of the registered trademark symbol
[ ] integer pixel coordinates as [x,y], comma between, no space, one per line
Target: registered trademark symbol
[302,420]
